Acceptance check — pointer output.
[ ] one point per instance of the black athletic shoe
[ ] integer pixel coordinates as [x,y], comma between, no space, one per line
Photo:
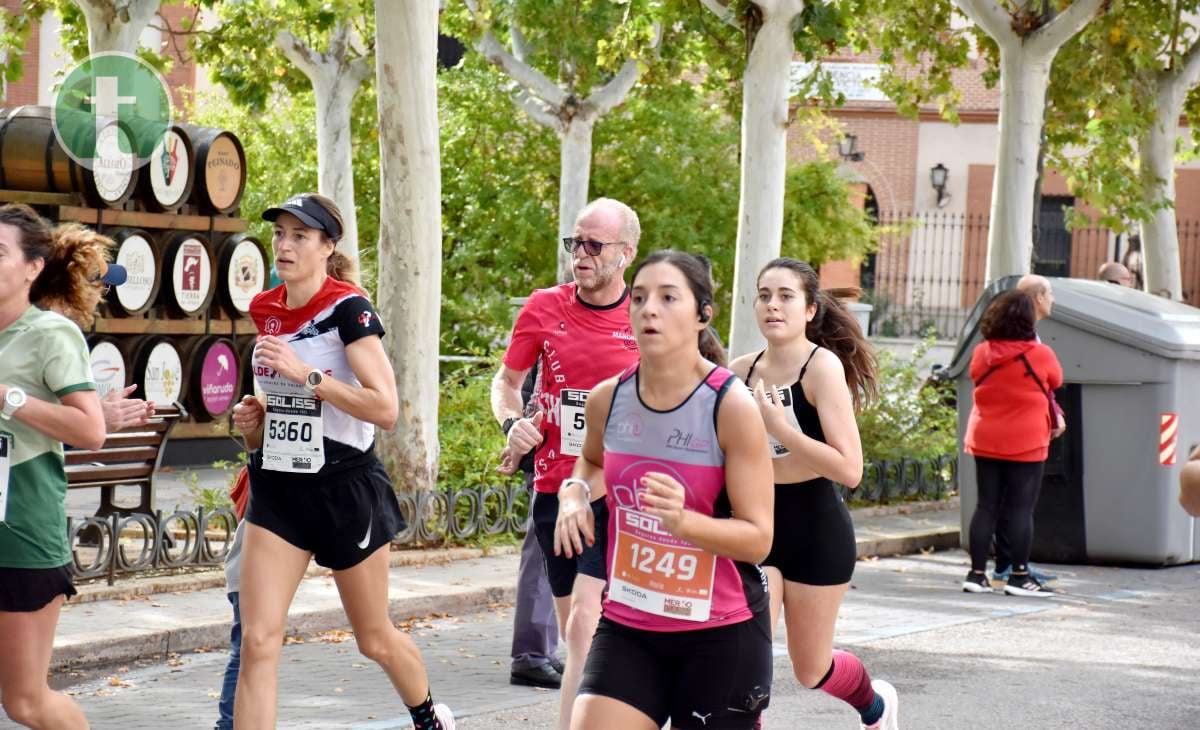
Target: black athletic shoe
[543,676]
[976,583]
[1026,585]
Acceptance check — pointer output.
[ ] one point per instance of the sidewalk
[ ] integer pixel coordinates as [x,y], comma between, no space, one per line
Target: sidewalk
[141,618]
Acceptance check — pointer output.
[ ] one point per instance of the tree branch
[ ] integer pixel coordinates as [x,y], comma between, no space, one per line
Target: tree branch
[1051,36]
[614,91]
[538,110]
[989,15]
[528,77]
[303,57]
[519,44]
[1187,73]
[722,11]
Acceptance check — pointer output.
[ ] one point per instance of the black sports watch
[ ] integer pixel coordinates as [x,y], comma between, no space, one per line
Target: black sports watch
[508,424]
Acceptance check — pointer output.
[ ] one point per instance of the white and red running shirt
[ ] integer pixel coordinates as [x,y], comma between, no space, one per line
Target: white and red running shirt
[579,345]
[318,333]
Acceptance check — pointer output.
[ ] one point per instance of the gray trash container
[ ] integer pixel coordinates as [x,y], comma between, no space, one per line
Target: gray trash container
[1131,371]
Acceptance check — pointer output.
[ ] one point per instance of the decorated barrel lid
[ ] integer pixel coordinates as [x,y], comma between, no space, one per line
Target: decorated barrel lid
[246,354]
[157,369]
[220,177]
[188,270]
[137,252]
[242,273]
[108,365]
[168,175]
[214,377]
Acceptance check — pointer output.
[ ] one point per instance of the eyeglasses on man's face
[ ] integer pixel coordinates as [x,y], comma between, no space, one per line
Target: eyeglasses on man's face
[590,247]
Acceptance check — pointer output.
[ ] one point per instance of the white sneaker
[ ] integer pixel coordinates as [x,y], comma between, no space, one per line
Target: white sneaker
[891,706]
[446,717]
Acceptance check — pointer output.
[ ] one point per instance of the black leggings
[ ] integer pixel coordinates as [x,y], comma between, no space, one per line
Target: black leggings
[1008,488]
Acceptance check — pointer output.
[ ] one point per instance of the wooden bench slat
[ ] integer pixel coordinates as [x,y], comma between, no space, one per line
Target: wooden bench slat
[138,483]
[121,440]
[156,425]
[108,472]
[113,455]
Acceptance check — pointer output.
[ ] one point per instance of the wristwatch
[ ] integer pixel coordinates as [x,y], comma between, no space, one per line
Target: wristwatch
[315,378]
[13,400]
[508,424]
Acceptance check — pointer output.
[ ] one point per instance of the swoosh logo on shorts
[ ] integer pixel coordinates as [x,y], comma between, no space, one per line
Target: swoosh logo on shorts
[367,538]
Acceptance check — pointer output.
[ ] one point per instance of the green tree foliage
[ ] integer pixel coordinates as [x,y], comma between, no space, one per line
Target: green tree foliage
[910,418]
[240,48]
[1095,119]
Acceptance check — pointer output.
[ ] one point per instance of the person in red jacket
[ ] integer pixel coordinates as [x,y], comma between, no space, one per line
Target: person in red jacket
[1008,433]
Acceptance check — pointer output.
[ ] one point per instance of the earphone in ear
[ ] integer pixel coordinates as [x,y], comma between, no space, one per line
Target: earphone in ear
[703,317]
[621,262]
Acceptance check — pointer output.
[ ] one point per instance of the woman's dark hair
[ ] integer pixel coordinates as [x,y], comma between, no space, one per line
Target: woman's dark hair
[836,329]
[1010,316]
[697,270]
[74,259]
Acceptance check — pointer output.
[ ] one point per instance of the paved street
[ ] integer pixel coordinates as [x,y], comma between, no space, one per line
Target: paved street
[1121,649]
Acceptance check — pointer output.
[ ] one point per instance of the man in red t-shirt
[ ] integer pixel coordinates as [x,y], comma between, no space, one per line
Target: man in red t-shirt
[581,335]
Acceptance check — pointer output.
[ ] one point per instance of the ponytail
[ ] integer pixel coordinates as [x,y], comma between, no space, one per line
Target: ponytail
[70,283]
[836,329]
[341,267]
[711,348]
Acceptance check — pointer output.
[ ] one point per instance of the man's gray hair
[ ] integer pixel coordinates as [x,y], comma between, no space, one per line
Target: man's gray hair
[631,227]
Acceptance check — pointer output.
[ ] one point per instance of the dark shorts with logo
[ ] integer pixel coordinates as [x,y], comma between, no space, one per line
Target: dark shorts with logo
[25,590]
[560,570]
[715,679]
[342,518]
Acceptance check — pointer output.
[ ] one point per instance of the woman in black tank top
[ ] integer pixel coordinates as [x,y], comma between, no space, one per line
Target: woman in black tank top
[817,368]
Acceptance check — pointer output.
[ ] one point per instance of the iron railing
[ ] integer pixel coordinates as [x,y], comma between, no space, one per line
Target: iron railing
[104,547]
[929,267]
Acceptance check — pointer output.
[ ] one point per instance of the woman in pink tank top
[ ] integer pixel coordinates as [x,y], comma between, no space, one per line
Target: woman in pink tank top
[682,461]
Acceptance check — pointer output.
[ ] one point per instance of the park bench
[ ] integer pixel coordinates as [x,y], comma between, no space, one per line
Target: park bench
[128,458]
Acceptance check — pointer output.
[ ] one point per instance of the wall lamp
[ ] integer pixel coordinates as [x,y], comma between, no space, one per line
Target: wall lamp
[938,175]
[848,148]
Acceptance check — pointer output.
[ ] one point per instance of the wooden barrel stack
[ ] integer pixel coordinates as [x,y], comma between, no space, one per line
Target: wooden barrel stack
[178,329]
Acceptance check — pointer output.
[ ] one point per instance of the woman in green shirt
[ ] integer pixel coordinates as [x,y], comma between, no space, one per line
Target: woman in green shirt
[47,398]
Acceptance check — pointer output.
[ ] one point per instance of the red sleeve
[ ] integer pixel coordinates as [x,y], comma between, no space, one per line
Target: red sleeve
[977,364]
[1054,373]
[527,337]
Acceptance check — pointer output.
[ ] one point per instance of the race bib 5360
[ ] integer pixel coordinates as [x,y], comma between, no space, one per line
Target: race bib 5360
[293,435]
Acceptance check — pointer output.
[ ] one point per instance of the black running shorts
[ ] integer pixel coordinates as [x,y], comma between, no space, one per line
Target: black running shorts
[713,679]
[561,570]
[30,589]
[814,536]
[341,520]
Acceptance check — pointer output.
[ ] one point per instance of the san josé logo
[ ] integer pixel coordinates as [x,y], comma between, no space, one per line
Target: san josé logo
[110,115]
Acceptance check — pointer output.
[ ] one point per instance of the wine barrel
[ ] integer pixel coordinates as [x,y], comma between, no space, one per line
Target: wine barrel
[187,265]
[156,369]
[142,259]
[242,270]
[220,177]
[246,357]
[31,158]
[167,177]
[214,376]
[108,364]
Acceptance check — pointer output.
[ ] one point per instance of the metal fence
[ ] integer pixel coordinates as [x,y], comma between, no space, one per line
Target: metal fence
[114,546]
[929,268]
